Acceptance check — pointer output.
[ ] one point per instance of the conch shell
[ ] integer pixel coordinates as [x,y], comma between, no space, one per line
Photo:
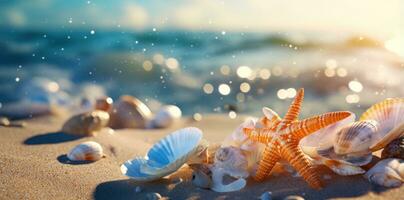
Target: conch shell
[388,173]
[87,151]
[129,112]
[86,124]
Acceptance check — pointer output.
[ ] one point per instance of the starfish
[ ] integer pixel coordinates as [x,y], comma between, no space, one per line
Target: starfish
[282,136]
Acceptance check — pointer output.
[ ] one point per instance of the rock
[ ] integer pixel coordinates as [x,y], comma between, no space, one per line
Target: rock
[395,149]
[266,196]
[293,197]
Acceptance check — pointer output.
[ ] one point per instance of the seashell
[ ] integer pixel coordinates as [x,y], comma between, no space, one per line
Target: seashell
[104,104]
[232,160]
[387,173]
[166,116]
[86,151]
[395,149]
[4,121]
[390,116]
[165,157]
[201,175]
[355,137]
[129,112]
[218,175]
[86,124]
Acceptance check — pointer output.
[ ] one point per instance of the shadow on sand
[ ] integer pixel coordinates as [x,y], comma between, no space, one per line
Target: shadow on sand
[64,160]
[280,186]
[50,138]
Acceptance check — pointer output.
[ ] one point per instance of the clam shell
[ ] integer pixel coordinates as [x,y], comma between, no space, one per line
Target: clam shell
[165,157]
[86,124]
[129,112]
[232,161]
[355,137]
[86,151]
[395,149]
[388,173]
[166,116]
[390,116]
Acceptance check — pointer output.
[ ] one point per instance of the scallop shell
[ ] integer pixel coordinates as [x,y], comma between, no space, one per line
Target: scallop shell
[86,151]
[129,112]
[166,116]
[390,116]
[388,173]
[232,161]
[395,149]
[165,157]
[86,124]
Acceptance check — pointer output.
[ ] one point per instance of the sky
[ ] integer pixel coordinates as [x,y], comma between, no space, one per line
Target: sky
[378,17]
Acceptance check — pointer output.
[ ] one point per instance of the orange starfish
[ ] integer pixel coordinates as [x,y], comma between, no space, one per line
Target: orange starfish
[282,137]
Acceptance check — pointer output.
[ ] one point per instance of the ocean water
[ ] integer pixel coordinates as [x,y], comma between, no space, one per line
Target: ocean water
[201,72]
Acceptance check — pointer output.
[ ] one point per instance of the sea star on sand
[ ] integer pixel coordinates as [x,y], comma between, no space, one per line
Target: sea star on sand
[282,137]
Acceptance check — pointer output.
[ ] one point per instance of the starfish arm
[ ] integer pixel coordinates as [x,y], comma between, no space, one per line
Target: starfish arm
[269,158]
[305,127]
[294,109]
[291,152]
[261,135]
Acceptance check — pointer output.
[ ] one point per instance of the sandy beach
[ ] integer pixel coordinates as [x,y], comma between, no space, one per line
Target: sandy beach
[33,165]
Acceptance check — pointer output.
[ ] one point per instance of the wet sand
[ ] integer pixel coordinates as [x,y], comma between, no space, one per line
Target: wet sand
[33,165]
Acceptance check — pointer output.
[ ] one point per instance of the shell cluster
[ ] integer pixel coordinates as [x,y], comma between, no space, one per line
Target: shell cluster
[86,124]
[86,151]
[346,146]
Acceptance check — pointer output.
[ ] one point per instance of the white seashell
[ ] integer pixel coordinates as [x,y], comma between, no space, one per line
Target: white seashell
[166,116]
[390,116]
[355,138]
[388,173]
[252,150]
[87,151]
[86,124]
[129,112]
[218,175]
[232,161]
[165,157]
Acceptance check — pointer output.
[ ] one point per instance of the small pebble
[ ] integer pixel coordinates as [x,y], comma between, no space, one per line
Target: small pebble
[266,196]
[4,121]
[293,197]
[138,189]
[153,196]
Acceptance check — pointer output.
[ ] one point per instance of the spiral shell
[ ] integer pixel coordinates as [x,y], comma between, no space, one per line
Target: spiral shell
[232,161]
[129,112]
[388,173]
[86,124]
[166,116]
[86,151]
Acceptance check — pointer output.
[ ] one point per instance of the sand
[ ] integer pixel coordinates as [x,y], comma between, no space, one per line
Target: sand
[33,165]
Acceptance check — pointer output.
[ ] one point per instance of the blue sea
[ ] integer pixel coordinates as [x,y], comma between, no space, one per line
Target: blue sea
[201,72]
